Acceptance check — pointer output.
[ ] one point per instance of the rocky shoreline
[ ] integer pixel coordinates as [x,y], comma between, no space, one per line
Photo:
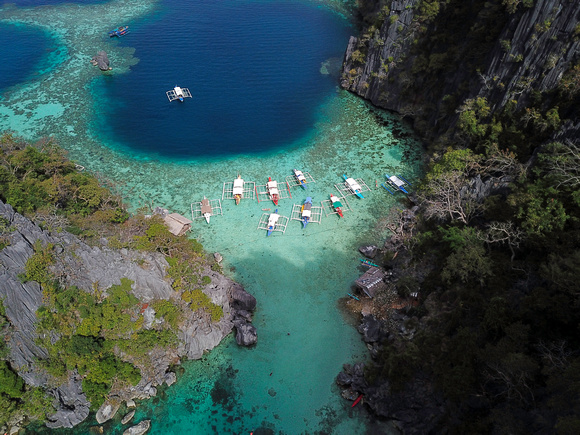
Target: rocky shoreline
[87,267]
[386,319]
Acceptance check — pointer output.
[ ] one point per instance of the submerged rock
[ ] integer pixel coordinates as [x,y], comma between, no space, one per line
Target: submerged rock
[138,429]
[128,417]
[107,411]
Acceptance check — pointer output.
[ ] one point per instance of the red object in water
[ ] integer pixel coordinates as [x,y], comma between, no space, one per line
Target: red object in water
[356,401]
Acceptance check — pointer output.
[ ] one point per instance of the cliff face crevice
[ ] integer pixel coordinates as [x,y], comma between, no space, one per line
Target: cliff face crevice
[533,52]
[78,264]
[426,67]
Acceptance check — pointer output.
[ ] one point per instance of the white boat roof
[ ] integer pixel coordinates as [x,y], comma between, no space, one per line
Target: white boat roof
[353,184]
[297,172]
[306,213]
[274,191]
[238,182]
[397,180]
[272,184]
[273,218]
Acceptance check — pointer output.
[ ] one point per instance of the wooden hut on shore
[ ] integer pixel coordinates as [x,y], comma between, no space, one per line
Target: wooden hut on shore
[372,281]
[177,224]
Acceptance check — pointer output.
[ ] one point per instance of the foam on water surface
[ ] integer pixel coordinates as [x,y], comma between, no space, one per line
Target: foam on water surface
[285,384]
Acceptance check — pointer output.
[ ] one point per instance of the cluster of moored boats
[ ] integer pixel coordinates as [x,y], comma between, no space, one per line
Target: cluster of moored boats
[273,191]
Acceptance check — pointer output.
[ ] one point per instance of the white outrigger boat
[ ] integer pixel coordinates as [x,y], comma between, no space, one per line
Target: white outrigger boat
[300,177]
[178,93]
[353,186]
[238,189]
[398,183]
[306,211]
[272,221]
[273,191]
[206,209]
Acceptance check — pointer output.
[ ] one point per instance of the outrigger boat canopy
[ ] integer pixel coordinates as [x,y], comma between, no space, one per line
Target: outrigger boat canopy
[335,205]
[119,31]
[273,222]
[239,189]
[206,208]
[178,93]
[398,183]
[306,212]
[299,179]
[352,187]
[272,191]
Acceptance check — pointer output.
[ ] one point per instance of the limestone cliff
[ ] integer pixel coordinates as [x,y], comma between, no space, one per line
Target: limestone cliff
[78,264]
[425,58]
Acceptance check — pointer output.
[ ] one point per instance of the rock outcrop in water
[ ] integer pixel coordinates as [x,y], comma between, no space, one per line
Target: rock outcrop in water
[102,61]
[81,265]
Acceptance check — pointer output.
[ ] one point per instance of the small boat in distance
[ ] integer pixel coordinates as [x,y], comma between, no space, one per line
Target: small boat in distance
[368,263]
[119,31]
[336,204]
[206,210]
[353,186]
[300,177]
[238,189]
[306,211]
[358,399]
[272,220]
[273,192]
[178,93]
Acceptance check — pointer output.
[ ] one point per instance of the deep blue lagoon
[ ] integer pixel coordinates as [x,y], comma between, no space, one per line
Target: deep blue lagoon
[253,67]
[23,51]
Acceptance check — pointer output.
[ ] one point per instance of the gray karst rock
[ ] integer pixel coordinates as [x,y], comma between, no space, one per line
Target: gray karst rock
[246,334]
[533,61]
[78,264]
[107,411]
[369,251]
[101,60]
[242,300]
[127,418]
[138,429]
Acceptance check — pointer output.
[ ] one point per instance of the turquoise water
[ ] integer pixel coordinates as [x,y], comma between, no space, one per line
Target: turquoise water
[285,384]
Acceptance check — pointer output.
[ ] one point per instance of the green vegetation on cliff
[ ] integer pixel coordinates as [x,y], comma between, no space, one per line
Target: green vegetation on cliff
[495,258]
[101,334]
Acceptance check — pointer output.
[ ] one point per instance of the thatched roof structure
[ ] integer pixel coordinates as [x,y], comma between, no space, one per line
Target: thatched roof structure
[371,281]
[177,224]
